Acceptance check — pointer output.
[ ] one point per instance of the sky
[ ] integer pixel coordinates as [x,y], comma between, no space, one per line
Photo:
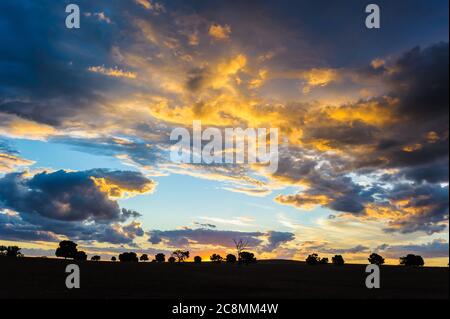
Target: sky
[86,117]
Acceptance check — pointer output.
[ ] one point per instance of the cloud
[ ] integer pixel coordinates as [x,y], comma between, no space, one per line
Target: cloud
[149,5]
[435,249]
[257,192]
[264,242]
[220,32]
[236,221]
[422,207]
[71,204]
[303,201]
[318,77]
[276,239]
[16,127]
[10,159]
[12,227]
[323,186]
[133,230]
[325,248]
[203,225]
[9,162]
[346,153]
[187,236]
[101,16]
[113,72]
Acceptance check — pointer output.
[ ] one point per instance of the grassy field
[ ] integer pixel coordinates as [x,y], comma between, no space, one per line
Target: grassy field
[45,278]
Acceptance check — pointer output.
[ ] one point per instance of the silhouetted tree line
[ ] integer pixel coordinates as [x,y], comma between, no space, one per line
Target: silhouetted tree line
[10,251]
[375,259]
[68,250]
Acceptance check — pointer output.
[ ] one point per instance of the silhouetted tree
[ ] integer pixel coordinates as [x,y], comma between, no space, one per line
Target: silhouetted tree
[96,258]
[10,251]
[376,259]
[241,245]
[198,259]
[412,261]
[181,255]
[67,249]
[216,258]
[247,258]
[128,257]
[313,259]
[144,257]
[231,258]
[113,258]
[171,260]
[338,260]
[324,261]
[81,256]
[160,258]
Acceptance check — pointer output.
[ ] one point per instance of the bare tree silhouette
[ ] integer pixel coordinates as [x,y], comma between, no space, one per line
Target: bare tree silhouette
[241,246]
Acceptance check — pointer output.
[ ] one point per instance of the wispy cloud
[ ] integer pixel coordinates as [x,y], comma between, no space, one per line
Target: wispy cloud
[113,72]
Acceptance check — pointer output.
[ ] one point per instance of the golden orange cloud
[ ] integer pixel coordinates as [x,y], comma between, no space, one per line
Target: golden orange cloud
[9,163]
[116,190]
[220,32]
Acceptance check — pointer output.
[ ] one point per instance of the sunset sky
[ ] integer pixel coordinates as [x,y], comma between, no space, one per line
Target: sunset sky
[363,114]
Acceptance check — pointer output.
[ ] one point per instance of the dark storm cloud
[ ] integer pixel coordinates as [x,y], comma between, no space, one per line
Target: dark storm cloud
[422,83]
[71,204]
[413,140]
[415,129]
[65,196]
[431,173]
[38,77]
[43,65]
[419,79]
[344,135]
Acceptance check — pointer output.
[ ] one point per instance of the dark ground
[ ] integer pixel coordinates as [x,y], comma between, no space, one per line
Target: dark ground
[45,278]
